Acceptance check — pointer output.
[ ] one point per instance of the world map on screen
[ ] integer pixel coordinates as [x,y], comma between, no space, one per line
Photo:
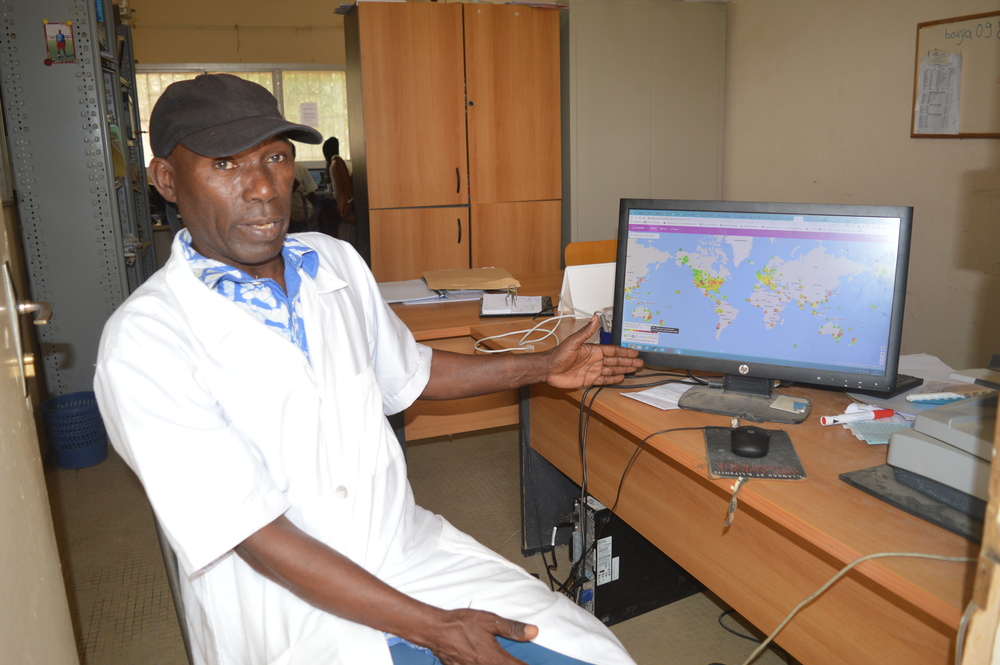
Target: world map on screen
[763,297]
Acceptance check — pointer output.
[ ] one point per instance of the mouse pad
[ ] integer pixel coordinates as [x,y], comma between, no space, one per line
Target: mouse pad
[781,461]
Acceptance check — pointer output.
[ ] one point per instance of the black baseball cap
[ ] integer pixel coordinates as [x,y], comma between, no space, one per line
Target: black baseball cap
[218,115]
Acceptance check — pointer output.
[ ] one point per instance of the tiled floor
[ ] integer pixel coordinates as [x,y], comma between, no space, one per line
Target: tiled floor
[118,595]
[123,613]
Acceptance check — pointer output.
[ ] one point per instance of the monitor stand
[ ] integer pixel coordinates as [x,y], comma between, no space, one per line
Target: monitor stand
[748,398]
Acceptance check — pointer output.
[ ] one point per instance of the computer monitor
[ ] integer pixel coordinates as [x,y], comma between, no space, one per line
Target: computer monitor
[319,176]
[763,292]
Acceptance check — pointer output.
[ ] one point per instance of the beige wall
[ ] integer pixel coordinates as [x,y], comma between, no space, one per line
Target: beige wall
[644,108]
[818,105]
[251,31]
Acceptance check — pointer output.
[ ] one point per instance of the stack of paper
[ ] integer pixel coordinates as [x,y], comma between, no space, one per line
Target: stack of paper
[415,292]
[662,397]
[875,432]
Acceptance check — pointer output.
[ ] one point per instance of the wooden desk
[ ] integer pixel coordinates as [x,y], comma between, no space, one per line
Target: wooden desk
[448,326]
[788,537]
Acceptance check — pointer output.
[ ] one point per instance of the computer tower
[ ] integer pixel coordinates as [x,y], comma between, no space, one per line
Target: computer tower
[623,574]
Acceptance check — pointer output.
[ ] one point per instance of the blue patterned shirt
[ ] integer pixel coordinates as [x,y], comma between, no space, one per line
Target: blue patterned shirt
[264,299]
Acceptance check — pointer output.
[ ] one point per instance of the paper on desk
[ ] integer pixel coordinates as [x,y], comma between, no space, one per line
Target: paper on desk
[466,278]
[447,296]
[662,397]
[410,289]
[415,292]
[452,296]
[875,432]
[927,367]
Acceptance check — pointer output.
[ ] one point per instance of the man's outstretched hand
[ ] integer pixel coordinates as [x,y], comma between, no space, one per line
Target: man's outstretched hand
[575,364]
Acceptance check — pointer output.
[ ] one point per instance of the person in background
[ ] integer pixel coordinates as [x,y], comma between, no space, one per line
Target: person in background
[341,187]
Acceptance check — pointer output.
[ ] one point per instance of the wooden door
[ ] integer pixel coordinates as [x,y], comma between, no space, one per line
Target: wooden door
[520,237]
[35,624]
[413,91]
[514,122]
[408,241]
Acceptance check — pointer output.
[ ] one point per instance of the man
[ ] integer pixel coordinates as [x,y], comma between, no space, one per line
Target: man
[246,385]
[60,44]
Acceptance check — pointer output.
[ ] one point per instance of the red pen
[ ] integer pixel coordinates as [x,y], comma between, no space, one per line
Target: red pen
[856,417]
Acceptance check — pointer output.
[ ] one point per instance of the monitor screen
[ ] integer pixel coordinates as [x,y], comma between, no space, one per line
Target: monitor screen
[319,177]
[764,292]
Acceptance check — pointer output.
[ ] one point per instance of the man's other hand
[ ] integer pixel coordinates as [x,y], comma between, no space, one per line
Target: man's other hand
[469,637]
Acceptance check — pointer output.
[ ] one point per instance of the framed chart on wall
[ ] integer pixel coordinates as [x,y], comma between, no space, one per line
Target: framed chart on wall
[956,78]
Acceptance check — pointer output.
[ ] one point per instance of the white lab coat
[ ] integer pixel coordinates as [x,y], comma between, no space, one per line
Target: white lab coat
[229,426]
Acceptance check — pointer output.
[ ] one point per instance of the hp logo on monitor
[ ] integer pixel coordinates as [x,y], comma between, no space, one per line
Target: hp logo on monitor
[744,369]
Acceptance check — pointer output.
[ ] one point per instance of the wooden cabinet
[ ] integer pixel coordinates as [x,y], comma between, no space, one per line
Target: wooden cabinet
[455,105]
[519,236]
[413,96]
[437,238]
[512,69]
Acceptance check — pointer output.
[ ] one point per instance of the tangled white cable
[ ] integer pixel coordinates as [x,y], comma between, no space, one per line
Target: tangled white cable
[525,344]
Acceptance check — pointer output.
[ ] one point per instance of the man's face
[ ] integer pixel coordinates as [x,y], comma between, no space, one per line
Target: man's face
[236,208]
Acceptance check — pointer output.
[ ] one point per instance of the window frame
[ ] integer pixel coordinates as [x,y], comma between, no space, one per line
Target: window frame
[276,70]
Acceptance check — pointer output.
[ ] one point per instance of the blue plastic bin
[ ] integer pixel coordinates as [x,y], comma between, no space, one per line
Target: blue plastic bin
[76,430]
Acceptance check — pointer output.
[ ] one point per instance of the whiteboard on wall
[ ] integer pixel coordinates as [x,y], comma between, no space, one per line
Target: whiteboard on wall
[956,79]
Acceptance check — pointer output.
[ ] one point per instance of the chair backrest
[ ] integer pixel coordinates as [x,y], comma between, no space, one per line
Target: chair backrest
[341,178]
[592,251]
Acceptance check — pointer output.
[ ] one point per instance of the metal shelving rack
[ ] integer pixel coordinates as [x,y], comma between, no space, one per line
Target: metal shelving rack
[84,228]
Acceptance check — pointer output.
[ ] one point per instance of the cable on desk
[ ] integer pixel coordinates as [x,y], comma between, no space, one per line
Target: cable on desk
[698,379]
[832,580]
[963,626]
[735,632]
[507,539]
[776,649]
[524,344]
[523,434]
[568,586]
[586,407]
[554,583]
[635,454]
[731,513]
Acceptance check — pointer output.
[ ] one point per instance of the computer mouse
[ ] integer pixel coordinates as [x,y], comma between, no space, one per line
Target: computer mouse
[749,441]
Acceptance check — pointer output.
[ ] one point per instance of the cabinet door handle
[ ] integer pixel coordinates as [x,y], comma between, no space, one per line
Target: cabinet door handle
[459,220]
[458,181]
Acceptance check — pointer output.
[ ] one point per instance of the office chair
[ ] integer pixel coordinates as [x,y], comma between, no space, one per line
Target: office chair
[592,251]
[174,580]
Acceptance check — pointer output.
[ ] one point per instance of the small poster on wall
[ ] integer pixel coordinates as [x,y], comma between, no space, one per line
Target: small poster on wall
[59,44]
[309,114]
[939,84]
